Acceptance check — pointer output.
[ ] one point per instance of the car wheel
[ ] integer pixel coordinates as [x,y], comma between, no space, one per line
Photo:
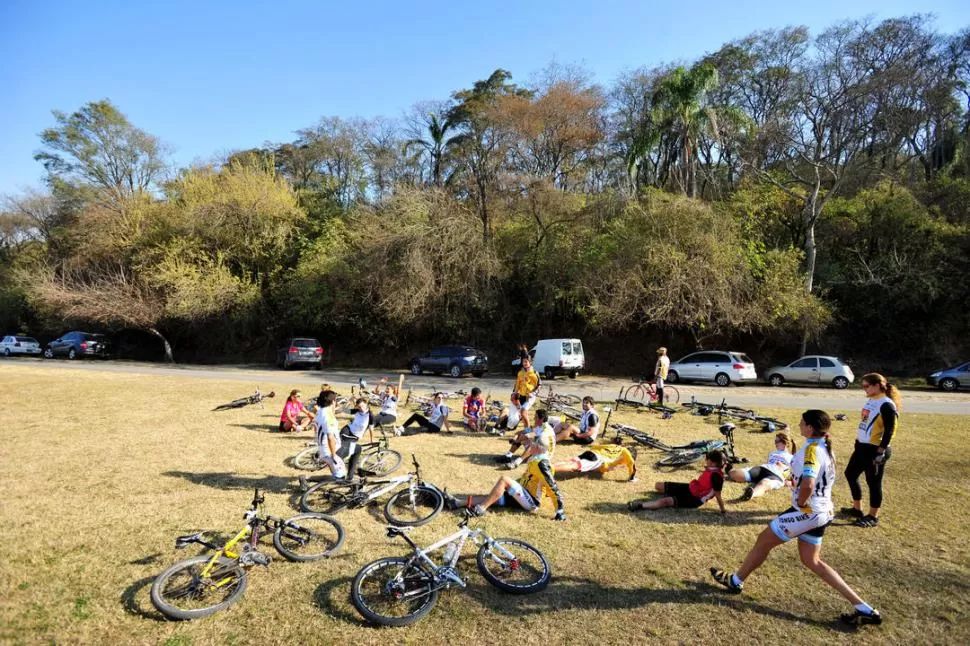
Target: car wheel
[72,354]
[841,383]
[415,367]
[722,380]
[455,370]
[672,377]
[548,373]
[6,352]
[777,380]
[48,353]
[573,375]
[949,384]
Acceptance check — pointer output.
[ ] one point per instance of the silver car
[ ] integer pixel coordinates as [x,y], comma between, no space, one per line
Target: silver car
[13,344]
[721,367]
[812,369]
[951,378]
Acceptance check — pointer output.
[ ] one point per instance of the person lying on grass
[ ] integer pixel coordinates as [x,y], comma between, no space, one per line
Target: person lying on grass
[601,458]
[690,495]
[528,491]
[769,476]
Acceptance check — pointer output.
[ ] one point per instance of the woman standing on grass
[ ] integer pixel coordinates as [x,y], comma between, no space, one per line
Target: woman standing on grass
[293,411]
[811,511]
[880,418]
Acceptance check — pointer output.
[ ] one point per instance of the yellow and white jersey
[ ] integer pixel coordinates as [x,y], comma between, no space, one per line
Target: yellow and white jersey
[871,426]
[814,461]
[662,367]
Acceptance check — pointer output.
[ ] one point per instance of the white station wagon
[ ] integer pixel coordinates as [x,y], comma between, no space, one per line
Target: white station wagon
[13,344]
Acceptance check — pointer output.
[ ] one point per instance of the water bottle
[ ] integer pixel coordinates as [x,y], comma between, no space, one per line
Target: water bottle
[450,552]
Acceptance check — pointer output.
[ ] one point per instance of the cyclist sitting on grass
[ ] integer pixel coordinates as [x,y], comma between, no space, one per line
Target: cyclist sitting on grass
[293,412]
[769,476]
[438,420]
[541,440]
[690,495]
[352,433]
[509,417]
[601,458]
[587,429]
[472,409]
[328,434]
[388,394]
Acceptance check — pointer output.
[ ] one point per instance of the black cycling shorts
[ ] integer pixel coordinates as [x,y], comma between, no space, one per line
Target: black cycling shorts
[680,492]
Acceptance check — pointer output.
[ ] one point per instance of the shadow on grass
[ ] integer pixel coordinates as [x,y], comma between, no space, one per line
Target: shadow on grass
[325,599]
[683,516]
[146,560]
[481,459]
[574,593]
[225,480]
[130,602]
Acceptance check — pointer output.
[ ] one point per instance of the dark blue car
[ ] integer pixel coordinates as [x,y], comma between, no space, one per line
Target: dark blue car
[456,360]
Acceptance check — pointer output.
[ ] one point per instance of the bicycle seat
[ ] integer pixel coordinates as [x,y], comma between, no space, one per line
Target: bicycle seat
[188,539]
[726,429]
[394,530]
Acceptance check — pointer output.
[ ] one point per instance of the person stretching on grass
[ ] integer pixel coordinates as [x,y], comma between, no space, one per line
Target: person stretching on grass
[811,511]
[602,458]
[539,442]
[690,495]
[769,476]
[588,428]
[437,421]
[293,412]
[472,409]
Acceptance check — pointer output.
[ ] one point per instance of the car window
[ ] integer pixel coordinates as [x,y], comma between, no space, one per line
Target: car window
[826,363]
[577,347]
[744,358]
[717,357]
[305,343]
[6,339]
[965,367]
[567,348]
[439,352]
[26,339]
[690,358]
[810,362]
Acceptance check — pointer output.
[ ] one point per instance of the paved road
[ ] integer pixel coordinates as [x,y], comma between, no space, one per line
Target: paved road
[602,388]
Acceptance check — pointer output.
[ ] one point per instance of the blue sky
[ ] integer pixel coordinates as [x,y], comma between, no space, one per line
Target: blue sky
[211,76]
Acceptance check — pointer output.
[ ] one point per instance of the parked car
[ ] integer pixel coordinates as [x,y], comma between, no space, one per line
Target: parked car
[76,344]
[554,357]
[13,344]
[299,351]
[720,366]
[456,360]
[952,378]
[812,369]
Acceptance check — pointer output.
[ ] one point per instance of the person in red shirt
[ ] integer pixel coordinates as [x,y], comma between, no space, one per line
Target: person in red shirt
[690,495]
[472,409]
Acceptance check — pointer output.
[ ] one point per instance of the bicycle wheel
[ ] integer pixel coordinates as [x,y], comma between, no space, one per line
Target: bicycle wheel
[393,591]
[309,537]
[671,395]
[572,400]
[636,393]
[180,592]
[403,509]
[779,425]
[513,566]
[236,403]
[380,463]
[680,459]
[306,460]
[329,497]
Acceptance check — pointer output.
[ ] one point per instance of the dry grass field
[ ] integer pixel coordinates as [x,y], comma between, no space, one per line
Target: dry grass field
[101,471]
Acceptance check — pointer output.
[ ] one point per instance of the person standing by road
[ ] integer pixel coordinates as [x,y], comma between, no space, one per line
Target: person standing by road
[880,419]
[660,372]
[526,388]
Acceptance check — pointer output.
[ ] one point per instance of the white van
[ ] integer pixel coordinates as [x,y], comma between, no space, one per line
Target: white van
[551,357]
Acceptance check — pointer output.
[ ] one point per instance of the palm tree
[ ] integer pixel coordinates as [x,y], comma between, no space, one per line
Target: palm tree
[436,144]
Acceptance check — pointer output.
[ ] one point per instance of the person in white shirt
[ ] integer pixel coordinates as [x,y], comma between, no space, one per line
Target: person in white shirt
[438,419]
[328,434]
[772,474]
[588,428]
[660,371]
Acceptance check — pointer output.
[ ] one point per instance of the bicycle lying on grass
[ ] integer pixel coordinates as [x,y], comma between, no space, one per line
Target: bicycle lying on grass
[376,458]
[256,398]
[768,424]
[683,454]
[400,590]
[415,504]
[203,585]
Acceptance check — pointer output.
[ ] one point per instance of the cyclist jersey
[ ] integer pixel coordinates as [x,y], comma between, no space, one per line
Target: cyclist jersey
[359,423]
[474,405]
[515,415]
[439,414]
[814,461]
[872,427]
[539,480]
[290,408]
[526,383]
[545,438]
[707,484]
[389,405]
[589,419]
[779,463]
[327,425]
[613,456]
[663,366]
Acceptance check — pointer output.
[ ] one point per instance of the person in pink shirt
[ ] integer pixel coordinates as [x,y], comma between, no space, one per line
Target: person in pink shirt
[295,416]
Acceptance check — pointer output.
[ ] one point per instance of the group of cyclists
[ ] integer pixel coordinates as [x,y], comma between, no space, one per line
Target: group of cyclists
[808,471]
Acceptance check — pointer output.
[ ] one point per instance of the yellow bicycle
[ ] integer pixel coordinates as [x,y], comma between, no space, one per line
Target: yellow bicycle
[203,585]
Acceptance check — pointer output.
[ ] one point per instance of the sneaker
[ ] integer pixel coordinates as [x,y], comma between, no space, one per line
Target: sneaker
[514,464]
[303,484]
[859,618]
[398,431]
[478,510]
[867,521]
[509,455]
[748,494]
[451,502]
[852,512]
[635,505]
[726,579]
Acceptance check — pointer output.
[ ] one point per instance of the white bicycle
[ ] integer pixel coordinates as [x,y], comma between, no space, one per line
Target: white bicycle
[400,590]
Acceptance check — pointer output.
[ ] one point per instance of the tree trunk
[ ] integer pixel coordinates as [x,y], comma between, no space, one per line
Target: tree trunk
[168,348]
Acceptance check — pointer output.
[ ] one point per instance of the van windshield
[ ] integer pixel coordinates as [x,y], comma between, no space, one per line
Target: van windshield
[567,348]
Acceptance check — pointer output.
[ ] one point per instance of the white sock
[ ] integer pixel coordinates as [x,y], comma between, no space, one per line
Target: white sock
[864,607]
[509,455]
[736,581]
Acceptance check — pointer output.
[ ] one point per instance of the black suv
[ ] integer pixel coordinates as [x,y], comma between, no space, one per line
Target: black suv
[74,345]
[299,350]
[456,360]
